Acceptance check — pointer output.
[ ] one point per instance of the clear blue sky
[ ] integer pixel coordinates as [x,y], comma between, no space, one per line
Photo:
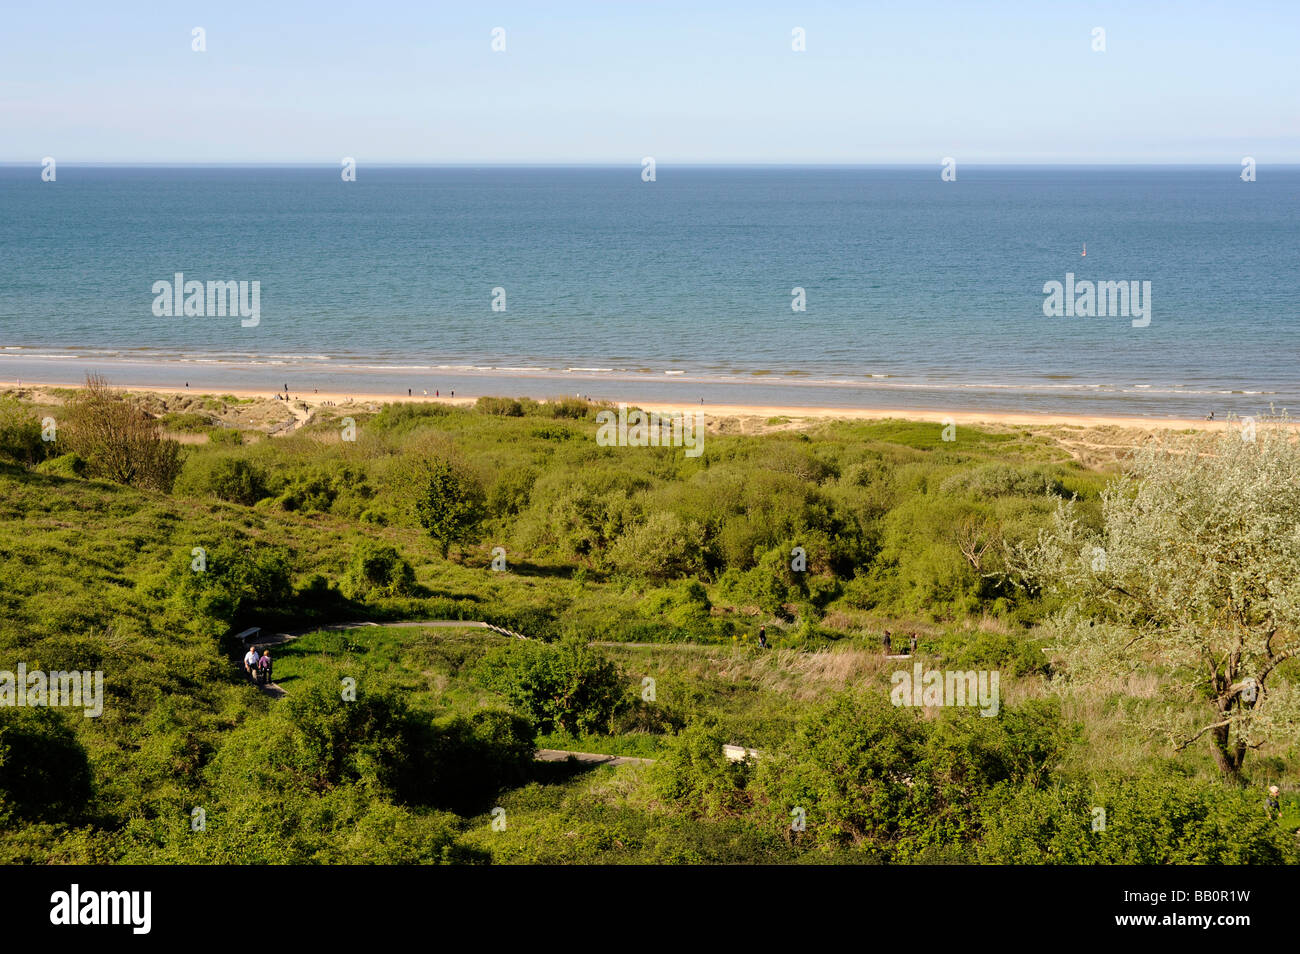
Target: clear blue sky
[417,81]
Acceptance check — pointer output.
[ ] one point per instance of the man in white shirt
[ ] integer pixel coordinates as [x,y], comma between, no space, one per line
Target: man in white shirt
[250,661]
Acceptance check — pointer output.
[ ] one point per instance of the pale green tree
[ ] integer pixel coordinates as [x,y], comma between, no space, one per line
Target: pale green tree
[1194,575]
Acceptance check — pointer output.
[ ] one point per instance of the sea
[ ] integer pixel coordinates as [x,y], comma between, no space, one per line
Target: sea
[833,286]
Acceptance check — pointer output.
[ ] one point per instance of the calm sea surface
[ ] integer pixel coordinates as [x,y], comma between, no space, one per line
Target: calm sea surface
[919,293]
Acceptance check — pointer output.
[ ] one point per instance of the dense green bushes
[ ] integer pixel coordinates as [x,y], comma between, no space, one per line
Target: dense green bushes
[20,433]
[862,775]
[228,582]
[232,479]
[618,544]
[341,778]
[566,686]
[1132,821]
[696,775]
[377,570]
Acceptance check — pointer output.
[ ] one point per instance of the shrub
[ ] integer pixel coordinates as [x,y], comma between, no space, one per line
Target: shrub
[20,433]
[231,479]
[235,582]
[504,407]
[326,489]
[467,760]
[509,495]
[663,547]
[1001,480]
[886,782]
[65,465]
[187,422]
[377,570]
[1132,821]
[566,686]
[695,773]
[118,439]
[225,435]
[404,417]
[574,409]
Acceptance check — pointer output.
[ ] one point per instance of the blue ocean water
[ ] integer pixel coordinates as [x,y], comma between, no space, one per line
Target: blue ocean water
[919,292]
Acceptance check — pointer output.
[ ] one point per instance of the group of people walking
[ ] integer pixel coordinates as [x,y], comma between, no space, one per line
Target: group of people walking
[889,644]
[258,666]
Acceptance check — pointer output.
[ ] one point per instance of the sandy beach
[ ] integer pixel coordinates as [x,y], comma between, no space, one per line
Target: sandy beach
[1003,418]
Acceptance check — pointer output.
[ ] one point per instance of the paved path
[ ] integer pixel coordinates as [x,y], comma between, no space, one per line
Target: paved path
[588,758]
[276,639]
[279,639]
[543,755]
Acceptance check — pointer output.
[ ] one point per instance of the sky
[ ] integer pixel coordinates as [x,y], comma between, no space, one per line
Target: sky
[879,82]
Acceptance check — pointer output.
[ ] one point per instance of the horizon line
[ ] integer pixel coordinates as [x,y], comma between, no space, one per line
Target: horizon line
[634,164]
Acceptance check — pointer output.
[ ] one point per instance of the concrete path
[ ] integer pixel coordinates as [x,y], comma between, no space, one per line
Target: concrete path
[587,758]
[272,640]
[733,752]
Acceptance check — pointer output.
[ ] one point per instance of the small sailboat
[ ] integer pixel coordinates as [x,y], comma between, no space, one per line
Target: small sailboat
[1085,250]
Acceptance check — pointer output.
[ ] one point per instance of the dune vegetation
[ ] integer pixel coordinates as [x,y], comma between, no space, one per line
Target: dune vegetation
[1135,610]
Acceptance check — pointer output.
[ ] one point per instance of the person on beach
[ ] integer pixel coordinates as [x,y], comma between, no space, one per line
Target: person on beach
[408,392]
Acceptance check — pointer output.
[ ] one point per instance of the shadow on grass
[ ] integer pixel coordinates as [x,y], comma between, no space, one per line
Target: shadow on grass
[559,773]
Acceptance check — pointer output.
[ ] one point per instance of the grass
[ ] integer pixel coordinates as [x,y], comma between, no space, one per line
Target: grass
[89,581]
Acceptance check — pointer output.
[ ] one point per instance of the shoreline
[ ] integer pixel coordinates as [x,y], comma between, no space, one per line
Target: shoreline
[1011,400]
[716,411]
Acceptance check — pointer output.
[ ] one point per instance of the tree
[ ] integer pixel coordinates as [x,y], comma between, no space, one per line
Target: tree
[1193,572]
[119,439]
[448,503]
[973,540]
